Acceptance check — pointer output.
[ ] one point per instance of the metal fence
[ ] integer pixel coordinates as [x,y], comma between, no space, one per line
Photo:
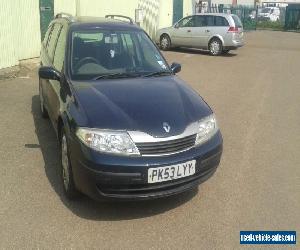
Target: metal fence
[292,17]
[273,18]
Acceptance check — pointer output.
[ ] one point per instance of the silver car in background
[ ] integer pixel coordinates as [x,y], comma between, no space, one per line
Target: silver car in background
[216,32]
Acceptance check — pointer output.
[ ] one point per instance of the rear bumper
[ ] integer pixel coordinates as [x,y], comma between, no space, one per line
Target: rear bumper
[234,45]
[105,178]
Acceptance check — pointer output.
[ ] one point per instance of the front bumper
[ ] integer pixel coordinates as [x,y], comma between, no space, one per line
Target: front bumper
[104,176]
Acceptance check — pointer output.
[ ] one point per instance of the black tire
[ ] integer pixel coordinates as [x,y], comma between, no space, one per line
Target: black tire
[66,169]
[215,47]
[165,42]
[44,112]
[226,51]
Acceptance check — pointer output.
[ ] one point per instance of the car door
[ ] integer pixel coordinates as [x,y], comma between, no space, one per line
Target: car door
[199,32]
[55,88]
[48,84]
[210,30]
[182,32]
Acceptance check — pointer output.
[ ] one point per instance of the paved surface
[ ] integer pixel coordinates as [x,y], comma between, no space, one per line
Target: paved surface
[255,93]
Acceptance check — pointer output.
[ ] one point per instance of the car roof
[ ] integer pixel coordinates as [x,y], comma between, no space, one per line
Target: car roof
[87,22]
[214,14]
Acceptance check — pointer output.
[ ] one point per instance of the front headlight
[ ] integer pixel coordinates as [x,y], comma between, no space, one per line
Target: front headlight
[208,127]
[108,141]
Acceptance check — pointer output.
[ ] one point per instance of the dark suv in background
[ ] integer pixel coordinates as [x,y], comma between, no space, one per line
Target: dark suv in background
[127,126]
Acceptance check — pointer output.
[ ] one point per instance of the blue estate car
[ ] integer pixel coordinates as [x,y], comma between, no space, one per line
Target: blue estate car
[127,126]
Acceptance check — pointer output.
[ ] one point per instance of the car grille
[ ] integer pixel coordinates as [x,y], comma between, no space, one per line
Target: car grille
[166,147]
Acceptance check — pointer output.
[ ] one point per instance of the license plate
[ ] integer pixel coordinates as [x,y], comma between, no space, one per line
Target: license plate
[173,172]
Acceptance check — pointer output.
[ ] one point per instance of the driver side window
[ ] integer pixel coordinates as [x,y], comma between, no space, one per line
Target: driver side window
[187,22]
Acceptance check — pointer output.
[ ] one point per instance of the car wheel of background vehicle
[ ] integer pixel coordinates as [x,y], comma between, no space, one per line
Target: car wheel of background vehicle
[42,105]
[226,51]
[165,42]
[215,47]
[66,169]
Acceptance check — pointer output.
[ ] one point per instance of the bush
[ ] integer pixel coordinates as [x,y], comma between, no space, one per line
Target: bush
[249,24]
[270,25]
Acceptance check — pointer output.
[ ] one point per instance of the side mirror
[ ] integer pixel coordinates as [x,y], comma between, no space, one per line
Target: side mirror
[176,26]
[176,67]
[49,73]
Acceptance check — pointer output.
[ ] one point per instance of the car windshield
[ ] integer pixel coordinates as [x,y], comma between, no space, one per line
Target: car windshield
[98,54]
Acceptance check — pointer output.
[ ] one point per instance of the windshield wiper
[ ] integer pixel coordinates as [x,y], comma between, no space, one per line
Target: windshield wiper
[116,75]
[158,73]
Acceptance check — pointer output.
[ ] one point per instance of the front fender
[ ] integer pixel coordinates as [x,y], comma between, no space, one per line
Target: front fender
[63,122]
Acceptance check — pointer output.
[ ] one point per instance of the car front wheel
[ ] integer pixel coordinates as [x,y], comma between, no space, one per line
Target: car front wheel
[165,42]
[66,169]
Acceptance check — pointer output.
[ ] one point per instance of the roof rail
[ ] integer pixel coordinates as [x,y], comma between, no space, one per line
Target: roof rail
[63,14]
[125,17]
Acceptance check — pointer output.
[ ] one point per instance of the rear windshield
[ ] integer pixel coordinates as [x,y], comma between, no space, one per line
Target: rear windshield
[237,21]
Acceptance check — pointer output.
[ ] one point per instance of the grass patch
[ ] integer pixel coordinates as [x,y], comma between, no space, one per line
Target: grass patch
[270,25]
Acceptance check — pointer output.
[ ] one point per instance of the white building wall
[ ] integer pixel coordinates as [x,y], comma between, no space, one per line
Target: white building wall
[67,6]
[27,30]
[104,7]
[20,36]
[165,13]
[19,31]
[151,15]
[8,55]
[157,13]
[188,7]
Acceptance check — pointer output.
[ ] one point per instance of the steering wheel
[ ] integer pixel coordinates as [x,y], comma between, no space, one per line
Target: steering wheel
[84,61]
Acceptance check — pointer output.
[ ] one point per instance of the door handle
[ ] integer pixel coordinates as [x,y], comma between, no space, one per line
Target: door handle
[188,30]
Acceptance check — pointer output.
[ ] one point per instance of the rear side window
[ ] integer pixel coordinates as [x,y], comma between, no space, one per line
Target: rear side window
[59,54]
[209,20]
[53,39]
[200,21]
[237,21]
[221,21]
[46,37]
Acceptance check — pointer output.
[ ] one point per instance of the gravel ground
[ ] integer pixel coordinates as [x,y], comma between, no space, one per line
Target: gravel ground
[255,93]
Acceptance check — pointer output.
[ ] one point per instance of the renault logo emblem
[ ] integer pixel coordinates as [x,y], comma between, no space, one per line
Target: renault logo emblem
[166,127]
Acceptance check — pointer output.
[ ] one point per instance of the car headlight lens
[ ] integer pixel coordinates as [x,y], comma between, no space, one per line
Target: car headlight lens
[116,142]
[208,127]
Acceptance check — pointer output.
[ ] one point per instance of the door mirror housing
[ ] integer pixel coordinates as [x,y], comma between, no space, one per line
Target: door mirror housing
[176,26]
[175,67]
[49,73]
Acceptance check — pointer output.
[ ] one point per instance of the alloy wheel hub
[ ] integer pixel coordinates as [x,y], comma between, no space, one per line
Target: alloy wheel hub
[215,47]
[164,42]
